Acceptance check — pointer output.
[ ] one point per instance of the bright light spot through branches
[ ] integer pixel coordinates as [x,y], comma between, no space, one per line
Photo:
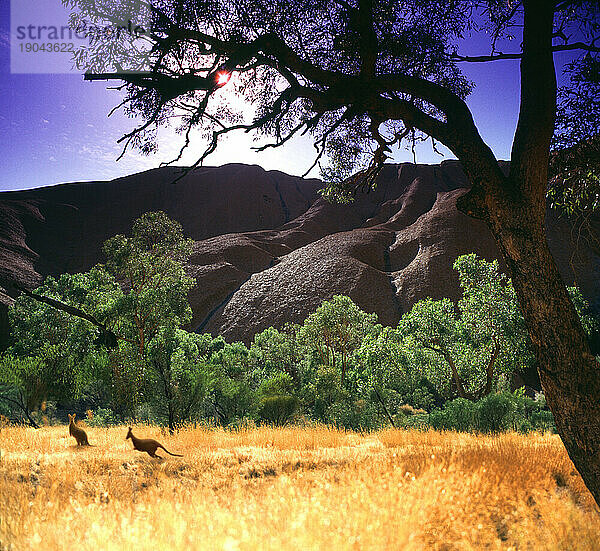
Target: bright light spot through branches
[222,78]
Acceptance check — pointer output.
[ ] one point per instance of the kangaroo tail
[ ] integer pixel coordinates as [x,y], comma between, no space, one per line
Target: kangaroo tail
[174,454]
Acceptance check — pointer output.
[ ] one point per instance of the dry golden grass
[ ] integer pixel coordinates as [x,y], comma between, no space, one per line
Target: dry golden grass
[294,488]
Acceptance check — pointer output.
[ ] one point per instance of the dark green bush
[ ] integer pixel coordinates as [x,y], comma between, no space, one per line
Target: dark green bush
[421,398]
[459,414]
[278,409]
[543,420]
[277,403]
[495,412]
[356,415]
[323,393]
[418,421]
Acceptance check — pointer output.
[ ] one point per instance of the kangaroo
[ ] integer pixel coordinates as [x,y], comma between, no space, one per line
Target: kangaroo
[147,445]
[77,432]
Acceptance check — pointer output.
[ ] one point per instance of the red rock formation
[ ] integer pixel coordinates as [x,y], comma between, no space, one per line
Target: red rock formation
[268,248]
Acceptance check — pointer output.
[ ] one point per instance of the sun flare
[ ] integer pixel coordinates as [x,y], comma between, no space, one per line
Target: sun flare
[223,78]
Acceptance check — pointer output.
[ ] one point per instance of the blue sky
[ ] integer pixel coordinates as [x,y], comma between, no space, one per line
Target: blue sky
[54,127]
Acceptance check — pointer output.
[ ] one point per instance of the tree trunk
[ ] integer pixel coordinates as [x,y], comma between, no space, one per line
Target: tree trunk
[385,409]
[569,373]
[171,419]
[514,208]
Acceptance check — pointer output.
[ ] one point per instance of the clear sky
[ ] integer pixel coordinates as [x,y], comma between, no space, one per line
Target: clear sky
[54,127]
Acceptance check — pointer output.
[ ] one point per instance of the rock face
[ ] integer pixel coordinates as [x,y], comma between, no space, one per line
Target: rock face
[268,249]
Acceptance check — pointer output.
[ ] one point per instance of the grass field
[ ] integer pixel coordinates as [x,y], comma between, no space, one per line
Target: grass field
[292,488]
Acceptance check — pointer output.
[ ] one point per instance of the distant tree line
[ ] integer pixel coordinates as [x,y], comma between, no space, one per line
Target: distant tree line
[445,365]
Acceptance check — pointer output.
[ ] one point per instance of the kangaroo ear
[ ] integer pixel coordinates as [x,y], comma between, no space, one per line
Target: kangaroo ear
[129,428]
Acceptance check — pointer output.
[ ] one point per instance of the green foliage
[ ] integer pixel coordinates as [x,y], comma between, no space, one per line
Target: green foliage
[471,346]
[421,398]
[458,414]
[152,296]
[323,392]
[335,330]
[383,361]
[277,409]
[178,377]
[102,417]
[27,382]
[65,344]
[590,323]
[35,324]
[231,395]
[25,376]
[279,383]
[338,367]
[277,403]
[151,305]
[494,413]
[150,265]
[357,414]
[273,351]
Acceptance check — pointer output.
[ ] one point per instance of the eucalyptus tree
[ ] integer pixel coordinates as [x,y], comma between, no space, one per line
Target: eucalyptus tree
[335,330]
[363,75]
[122,305]
[482,336]
[274,350]
[149,266]
[179,377]
[55,353]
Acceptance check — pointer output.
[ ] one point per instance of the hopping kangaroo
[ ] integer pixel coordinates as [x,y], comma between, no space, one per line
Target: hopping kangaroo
[76,432]
[147,445]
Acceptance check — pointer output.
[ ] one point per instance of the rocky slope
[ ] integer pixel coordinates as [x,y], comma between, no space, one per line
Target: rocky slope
[268,248]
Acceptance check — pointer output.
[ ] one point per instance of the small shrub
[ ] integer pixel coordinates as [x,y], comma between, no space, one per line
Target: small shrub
[523,425]
[102,417]
[543,421]
[419,421]
[459,414]
[421,398]
[278,409]
[495,412]
[356,415]
[280,383]
[277,403]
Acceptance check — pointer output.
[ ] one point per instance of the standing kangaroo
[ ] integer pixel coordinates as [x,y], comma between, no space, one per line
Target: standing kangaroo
[76,432]
[147,445]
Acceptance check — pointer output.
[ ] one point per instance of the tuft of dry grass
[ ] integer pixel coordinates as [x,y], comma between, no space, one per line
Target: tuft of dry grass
[292,488]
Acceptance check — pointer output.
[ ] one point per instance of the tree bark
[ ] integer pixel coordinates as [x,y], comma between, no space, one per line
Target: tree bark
[569,373]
